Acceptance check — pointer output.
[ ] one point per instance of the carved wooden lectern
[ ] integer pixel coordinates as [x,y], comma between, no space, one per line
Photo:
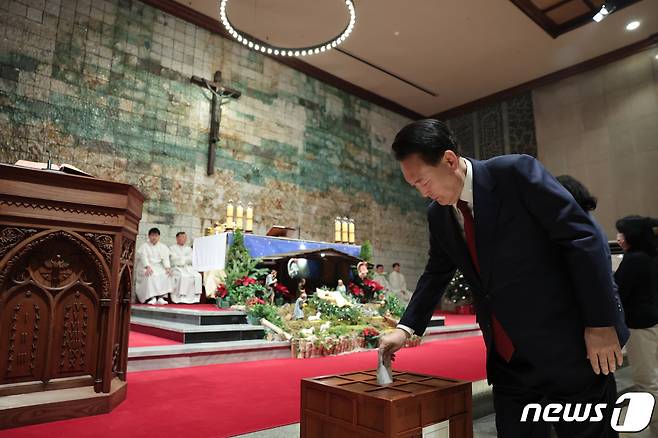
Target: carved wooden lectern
[67,246]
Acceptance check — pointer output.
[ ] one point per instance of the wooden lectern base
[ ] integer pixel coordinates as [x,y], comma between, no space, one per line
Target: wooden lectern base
[59,404]
[413,406]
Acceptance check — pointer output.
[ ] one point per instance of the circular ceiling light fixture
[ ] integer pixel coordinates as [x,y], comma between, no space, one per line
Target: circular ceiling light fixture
[633,25]
[263,47]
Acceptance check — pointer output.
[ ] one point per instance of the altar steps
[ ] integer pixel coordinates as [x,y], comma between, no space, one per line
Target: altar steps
[189,326]
[205,336]
[210,336]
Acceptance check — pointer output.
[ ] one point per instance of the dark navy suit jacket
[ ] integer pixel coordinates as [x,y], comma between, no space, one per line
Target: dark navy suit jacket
[543,266]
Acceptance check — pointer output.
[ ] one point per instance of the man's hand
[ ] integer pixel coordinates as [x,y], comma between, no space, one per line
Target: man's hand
[392,342]
[148,271]
[603,350]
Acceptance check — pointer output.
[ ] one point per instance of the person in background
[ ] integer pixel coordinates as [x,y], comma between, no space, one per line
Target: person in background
[638,288]
[153,282]
[588,203]
[380,277]
[398,283]
[186,281]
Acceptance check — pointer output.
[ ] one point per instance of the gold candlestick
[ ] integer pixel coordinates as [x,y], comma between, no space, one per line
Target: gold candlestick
[337,227]
[239,211]
[229,214]
[351,231]
[249,226]
[344,230]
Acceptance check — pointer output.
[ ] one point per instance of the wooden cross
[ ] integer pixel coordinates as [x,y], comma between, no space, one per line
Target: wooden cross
[220,96]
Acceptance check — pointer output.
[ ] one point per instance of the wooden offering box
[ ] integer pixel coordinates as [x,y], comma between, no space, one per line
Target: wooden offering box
[353,405]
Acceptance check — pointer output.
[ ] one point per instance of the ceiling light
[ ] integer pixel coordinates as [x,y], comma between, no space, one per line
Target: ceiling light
[633,25]
[261,46]
[607,9]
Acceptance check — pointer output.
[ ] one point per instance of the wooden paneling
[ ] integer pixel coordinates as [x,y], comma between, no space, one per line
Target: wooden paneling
[560,16]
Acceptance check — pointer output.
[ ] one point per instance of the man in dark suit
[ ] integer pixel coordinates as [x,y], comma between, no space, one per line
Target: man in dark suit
[537,265]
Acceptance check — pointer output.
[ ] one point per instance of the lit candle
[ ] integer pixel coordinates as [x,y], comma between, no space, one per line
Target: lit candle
[337,225]
[345,231]
[238,216]
[229,214]
[249,225]
[351,231]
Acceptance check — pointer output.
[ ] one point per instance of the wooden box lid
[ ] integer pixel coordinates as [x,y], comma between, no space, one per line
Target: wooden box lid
[404,384]
[355,402]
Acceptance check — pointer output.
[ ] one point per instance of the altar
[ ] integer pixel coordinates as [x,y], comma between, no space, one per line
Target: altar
[209,252]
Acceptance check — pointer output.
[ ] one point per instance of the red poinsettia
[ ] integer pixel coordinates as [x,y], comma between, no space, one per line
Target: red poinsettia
[356,290]
[253,301]
[245,281]
[222,291]
[370,332]
[283,291]
[373,285]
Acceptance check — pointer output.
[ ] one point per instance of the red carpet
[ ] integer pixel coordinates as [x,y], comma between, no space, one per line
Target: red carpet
[230,399]
[136,339]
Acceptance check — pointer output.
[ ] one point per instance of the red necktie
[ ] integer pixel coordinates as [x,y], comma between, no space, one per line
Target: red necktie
[502,342]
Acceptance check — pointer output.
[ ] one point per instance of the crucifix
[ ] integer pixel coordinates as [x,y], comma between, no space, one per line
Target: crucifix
[221,95]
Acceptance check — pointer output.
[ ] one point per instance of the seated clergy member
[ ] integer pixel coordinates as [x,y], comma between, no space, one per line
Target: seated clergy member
[187,282]
[380,277]
[153,270]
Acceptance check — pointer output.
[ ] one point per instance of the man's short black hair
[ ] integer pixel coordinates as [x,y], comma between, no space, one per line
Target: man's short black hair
[396,264]
[180,233]
[429,138]
[154,231]
[580,193]
[378,266]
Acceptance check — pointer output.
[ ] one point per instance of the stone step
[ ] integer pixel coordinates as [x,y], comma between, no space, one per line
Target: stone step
[187,355]
[188,316]
[192,334]
[59,404]
[451,332]
[437,321]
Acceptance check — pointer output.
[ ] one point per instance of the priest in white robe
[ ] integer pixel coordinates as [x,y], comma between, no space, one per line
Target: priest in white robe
[398,284]
[153,282]
[380,277]
[187,282]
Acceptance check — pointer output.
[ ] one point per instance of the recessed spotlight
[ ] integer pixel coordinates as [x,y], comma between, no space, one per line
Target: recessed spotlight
[656,56]
[633,25]
[396,33]
[605,10]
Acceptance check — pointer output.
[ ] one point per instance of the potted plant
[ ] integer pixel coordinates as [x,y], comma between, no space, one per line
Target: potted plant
[253,310]
[371,337]
[222,297]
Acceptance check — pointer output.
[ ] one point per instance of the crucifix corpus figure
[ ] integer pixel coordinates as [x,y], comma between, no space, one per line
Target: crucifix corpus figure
[220,96]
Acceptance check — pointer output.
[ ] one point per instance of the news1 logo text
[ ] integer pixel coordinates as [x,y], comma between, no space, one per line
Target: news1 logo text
[638,414]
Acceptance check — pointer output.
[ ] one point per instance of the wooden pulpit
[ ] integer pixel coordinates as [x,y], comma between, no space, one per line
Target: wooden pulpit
[67,248]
